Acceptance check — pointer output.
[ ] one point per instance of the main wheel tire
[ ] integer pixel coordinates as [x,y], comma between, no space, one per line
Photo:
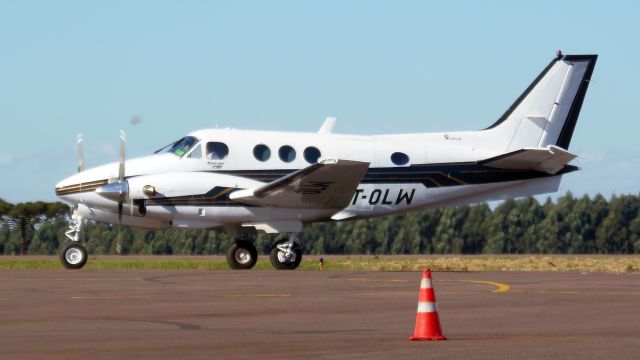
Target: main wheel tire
[74,256]
[242,255]
[279,259]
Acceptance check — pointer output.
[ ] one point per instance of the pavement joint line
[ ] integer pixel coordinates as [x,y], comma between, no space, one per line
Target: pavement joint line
[377,280]
[109,297]
[385,293]
[551,292]
[256,295]
[84,279]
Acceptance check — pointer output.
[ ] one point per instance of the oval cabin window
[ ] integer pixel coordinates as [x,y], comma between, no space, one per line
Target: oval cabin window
[311,154]
[262,152]
[399,158]
[287,153]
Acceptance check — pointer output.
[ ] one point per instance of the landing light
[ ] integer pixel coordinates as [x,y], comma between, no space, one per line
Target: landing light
[149,190]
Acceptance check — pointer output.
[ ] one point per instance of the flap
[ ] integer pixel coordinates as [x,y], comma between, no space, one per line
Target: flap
[549,160]
[326,185]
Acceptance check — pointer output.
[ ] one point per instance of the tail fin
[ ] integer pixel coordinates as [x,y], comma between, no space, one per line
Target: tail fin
[547,112]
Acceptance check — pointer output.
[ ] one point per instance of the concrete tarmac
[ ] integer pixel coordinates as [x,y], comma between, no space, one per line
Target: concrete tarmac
[101,314]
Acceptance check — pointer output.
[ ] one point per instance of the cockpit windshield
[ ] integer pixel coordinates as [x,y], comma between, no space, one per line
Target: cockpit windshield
[181,147]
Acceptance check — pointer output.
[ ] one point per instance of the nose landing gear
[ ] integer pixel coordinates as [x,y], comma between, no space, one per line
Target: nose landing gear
[74,255]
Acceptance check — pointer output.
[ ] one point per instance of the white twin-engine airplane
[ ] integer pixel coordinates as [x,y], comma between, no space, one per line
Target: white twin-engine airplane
[272,181]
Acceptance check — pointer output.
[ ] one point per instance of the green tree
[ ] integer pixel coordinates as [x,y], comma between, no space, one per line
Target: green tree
[26,215]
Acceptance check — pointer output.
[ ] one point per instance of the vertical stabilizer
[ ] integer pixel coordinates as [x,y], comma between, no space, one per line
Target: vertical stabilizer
[547,111]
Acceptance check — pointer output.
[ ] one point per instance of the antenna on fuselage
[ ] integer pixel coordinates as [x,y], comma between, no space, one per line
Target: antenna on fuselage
[327,125]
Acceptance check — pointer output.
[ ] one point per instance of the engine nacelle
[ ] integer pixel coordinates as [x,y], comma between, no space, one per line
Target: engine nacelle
[170,185]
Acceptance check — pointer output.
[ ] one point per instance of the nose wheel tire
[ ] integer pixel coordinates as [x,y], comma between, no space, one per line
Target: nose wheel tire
[281,260]
[242,255]
[73,256]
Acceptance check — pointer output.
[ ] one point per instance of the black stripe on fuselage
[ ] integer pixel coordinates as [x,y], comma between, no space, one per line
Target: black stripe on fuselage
[218,196]
[430,175]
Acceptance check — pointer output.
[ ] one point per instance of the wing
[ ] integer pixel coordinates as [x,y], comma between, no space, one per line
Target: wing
[326,185]
[549,160]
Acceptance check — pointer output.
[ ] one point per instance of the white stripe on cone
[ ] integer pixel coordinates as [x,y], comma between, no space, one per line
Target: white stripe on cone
[426,284]
[427,306]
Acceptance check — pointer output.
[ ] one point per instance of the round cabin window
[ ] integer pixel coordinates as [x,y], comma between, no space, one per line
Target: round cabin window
[287,153]
[311,154]
[262,152]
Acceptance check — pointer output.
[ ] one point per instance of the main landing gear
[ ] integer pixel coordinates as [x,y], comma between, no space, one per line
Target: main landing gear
[74,255]
[285,254]
[242,255]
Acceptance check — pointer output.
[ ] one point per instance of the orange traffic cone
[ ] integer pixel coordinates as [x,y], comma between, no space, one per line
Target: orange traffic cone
[427,321]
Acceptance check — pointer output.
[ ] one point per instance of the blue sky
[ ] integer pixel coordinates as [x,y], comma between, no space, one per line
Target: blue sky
[379,66]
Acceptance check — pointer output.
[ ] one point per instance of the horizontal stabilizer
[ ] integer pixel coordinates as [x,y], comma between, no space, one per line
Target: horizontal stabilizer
[326,185]
[549,160]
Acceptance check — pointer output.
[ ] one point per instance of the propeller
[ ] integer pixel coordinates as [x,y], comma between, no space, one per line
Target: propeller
[117,190]
[80,153]
[123,139]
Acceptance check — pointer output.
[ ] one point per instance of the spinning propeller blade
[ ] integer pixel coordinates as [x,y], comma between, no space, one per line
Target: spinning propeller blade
[123,139]
[80,153]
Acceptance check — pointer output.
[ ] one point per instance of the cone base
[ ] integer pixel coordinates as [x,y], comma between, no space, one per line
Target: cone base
[427,338]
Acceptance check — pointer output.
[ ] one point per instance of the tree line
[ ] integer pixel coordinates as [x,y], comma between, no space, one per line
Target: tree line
[569,225]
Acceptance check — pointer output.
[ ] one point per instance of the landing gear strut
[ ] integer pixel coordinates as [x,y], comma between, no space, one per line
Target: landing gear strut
[242,255]
[74,255]
[286,254]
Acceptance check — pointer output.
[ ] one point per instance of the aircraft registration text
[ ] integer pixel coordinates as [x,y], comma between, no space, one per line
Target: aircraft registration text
[384,196]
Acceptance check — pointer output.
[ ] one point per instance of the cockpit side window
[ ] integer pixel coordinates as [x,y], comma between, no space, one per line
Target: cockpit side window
[217,151]
[182,146]
[196,153]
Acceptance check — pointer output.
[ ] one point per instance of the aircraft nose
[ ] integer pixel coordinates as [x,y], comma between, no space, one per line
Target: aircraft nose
[82,183]
[65,186]
[64,182]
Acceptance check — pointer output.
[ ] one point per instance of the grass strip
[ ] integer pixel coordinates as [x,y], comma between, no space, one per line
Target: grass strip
[603,263]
